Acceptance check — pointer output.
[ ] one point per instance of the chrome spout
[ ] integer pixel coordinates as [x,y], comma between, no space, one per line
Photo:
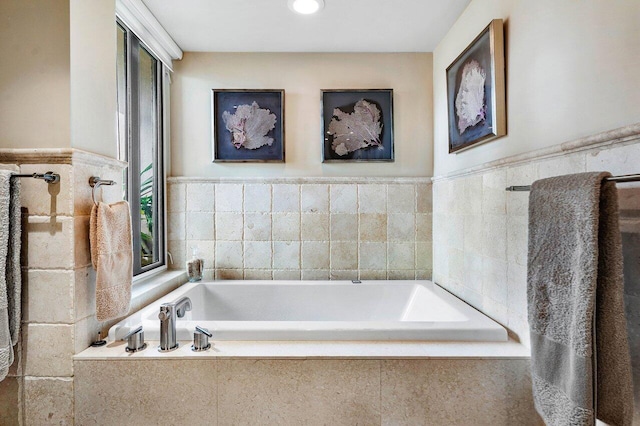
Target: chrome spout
[169,313]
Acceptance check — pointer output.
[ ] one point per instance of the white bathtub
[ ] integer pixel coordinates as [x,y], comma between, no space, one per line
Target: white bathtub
[320,310]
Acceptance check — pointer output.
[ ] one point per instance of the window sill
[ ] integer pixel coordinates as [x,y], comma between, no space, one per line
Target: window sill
[149,289]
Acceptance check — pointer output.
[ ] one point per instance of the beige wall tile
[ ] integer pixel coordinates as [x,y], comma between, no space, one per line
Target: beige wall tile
[344,227]
[373,256]
[373,227]
[517,239]
[404,274]
[401,227]
[176,226]
[344,255]
[401,255]
[473,234]
[494,236]
[494,280]
[373,275]
[424,227]
[315,255]
[286,275]
[81,244]
[104,391]
[257,198]
[258,274]
[621,160]
[42,199]
[48,401]
[48,350]
[176,197]
[286,254]
[229,274]
[85,332]
[424,253]
[178,254]
[472,276]
[286,198]
[424,274]
[457,392]
[456,264]
[49,242]
[286,226]
[343,275]
[298,392]
[402,198]
[228,197]
[343,198]
[48,296]
[424,198]
[257,254]
[200,197]
[518,202]
[315,274]
[229,226]
[574,163]
[84,292]
[200,225]
[257,226]
[10,410]
[494,196]
[314,227]
[372,198]
[229,255]
[314,198]
[473,189]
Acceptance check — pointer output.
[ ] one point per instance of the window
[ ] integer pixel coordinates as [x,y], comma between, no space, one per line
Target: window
[140,133]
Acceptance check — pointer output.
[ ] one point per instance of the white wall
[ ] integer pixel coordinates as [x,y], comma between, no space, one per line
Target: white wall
[93,76]
[572,71]
[302,76]
[34,74]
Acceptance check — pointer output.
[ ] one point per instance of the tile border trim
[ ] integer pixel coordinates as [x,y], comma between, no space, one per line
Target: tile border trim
[621,136]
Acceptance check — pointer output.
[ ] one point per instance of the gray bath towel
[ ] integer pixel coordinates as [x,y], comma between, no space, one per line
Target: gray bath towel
[575,290]
[10,279]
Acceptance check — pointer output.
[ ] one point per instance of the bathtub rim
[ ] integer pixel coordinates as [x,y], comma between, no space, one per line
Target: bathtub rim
[408,332]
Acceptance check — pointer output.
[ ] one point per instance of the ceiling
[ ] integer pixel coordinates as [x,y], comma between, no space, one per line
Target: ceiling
[342,26]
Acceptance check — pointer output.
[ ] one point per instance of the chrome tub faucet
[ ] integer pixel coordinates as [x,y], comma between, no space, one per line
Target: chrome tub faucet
[169,313]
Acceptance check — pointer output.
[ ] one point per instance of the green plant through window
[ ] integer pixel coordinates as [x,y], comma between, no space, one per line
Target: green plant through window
[146,216]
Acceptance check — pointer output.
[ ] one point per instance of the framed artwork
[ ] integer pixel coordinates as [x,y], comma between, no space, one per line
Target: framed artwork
[247,125]
[475,91]
[357,125]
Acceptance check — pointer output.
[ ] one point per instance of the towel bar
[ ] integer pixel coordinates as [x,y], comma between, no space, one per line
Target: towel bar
[48,177]
[95,182]
[623,178]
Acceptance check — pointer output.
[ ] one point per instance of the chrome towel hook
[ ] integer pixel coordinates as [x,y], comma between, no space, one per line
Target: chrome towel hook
[95,182]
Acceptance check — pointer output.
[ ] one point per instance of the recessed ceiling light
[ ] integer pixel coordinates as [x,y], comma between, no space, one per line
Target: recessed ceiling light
[306,7]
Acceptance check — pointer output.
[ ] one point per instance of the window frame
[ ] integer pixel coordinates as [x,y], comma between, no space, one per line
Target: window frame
[133,46]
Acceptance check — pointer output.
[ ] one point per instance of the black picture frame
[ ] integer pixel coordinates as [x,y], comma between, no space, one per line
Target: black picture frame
[478,120]
[227,101]
[345,100]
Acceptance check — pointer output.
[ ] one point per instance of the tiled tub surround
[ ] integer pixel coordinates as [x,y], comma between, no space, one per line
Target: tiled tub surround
[303,228]
[58,311]
[480,230]
[228,389]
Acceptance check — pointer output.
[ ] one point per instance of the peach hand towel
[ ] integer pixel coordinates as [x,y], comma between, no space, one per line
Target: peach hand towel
[112,258]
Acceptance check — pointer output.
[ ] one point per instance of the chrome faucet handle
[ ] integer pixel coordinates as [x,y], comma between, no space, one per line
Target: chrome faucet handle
[135,340]
[201,339]
[204,331]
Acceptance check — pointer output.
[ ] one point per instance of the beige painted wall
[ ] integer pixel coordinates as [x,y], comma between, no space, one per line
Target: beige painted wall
[572,71]
[93,76]
[34,74]
[302,76]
